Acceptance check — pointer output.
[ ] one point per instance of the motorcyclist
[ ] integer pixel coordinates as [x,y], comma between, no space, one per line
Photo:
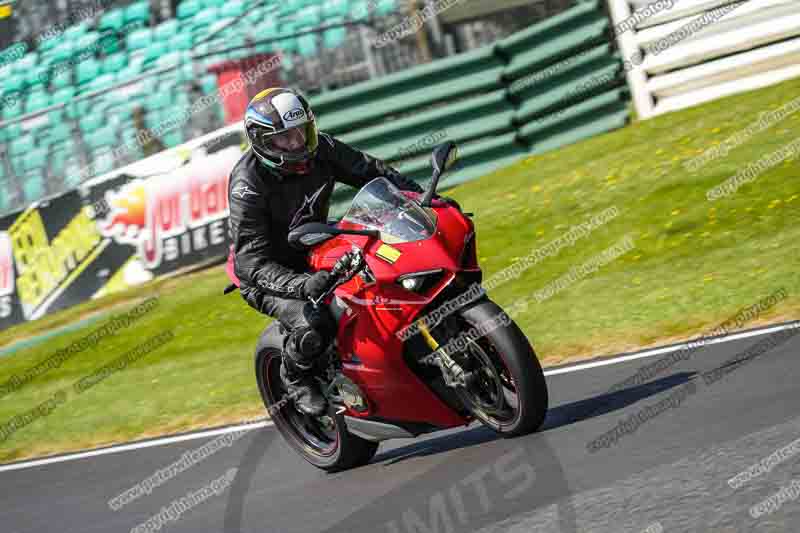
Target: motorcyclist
[285,179]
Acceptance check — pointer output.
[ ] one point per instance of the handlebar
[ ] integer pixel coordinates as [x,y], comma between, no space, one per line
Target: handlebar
[345,268]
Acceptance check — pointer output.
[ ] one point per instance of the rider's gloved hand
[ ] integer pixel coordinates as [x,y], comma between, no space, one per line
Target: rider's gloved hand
[447,200]
[317,284]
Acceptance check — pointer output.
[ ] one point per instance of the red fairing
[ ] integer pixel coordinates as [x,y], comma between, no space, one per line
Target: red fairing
[377,311]
[230,270]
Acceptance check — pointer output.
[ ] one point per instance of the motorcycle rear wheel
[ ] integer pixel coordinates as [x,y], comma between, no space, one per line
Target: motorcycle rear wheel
[322,441]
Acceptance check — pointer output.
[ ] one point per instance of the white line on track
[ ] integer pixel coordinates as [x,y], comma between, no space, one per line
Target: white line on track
[163,441]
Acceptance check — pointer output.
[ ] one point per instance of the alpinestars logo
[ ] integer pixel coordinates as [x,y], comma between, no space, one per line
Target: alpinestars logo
[308,210]
[242,191]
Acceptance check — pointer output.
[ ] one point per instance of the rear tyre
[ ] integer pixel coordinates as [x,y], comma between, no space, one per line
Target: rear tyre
[323,441]
[508,393]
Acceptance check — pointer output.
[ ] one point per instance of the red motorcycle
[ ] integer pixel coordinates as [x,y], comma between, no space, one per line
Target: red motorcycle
[419,346]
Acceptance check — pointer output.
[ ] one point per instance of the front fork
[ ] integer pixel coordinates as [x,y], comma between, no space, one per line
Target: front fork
[453,373]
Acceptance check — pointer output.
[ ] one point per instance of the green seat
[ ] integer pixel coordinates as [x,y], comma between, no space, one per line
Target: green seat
[91,123]
[33,159]
[14,83]
[308,17]
[214,3]
[87,42]
[155,51]
[159,100]
[233,8]
[167,29]
[288,45]
[307,45]
[26,62]
[129,72]
[104,81]
[63,95]
[189,8]
[139,39]
[103,160]
[182,41]
[360,9]
[21,145]
[386,7]
[36,100]
[9,133]
[206,17]
[60,77]
[171,59]
[38,77]
[73,33]
[335,8]
[63,53]
[100,138]
[112,20]
[334,37]
[13,110]
[33,186]
[60,131]
[138,12]
[115,63]
[208,84]
[173,138]
[86,71]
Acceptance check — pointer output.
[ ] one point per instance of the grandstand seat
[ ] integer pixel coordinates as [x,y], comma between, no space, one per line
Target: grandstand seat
[33,185]
[62,53]
[167,29]
[155,51]
[34,159]
[308,17]
[91,122]
[38,76]
[13,110]
[112,20]
[206,17]
[63,95]
[36,101]
[60,131]
[73,33]
[138,13]
[102,137]
[288,45]
[14,83]
[86,71]
[214,3]
[87,43]
[233,8]
[335,8]
[9,133]
[386,7]
[60,77]
[26,62]
[102,160]
[182,41]
[115,63]
[334,37]
[189,8]
[104,81]
[21,145]
[307,45]
[139,39]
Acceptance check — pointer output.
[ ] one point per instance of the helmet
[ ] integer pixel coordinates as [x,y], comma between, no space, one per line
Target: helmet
[282,131]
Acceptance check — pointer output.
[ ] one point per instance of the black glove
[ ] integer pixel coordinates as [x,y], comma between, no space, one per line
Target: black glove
[406,184]
[448,200]
[317,284]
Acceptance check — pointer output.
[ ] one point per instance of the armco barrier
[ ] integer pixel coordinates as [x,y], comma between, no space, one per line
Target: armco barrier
[550,85]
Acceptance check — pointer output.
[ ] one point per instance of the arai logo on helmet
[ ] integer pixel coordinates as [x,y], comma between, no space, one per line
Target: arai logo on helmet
[295,114]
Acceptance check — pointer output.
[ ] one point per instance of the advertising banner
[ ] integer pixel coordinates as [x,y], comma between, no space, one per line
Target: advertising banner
[152,218]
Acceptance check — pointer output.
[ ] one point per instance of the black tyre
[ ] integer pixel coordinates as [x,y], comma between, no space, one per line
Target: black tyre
[322,441]
[508,392]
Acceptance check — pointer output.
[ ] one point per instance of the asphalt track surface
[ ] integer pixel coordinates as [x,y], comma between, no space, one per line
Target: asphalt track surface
[670,471]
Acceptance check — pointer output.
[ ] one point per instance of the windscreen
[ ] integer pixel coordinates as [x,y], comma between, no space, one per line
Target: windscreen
[381,206]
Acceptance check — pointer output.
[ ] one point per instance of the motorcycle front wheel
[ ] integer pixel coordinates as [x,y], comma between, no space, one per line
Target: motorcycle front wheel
[323,440]
[507,390]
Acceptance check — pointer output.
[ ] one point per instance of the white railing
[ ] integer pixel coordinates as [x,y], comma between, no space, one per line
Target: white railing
[736,46]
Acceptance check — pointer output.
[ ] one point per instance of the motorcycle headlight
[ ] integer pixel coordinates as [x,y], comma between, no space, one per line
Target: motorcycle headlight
[420,282]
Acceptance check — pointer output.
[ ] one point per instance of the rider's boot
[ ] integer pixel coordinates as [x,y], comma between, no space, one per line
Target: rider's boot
[300,383]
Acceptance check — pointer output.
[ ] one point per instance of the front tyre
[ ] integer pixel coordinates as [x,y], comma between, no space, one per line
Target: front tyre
[507,392]
[323,441]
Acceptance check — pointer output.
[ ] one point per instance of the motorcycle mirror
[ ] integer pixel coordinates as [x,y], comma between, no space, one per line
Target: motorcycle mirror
[442,158]
[314,233]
